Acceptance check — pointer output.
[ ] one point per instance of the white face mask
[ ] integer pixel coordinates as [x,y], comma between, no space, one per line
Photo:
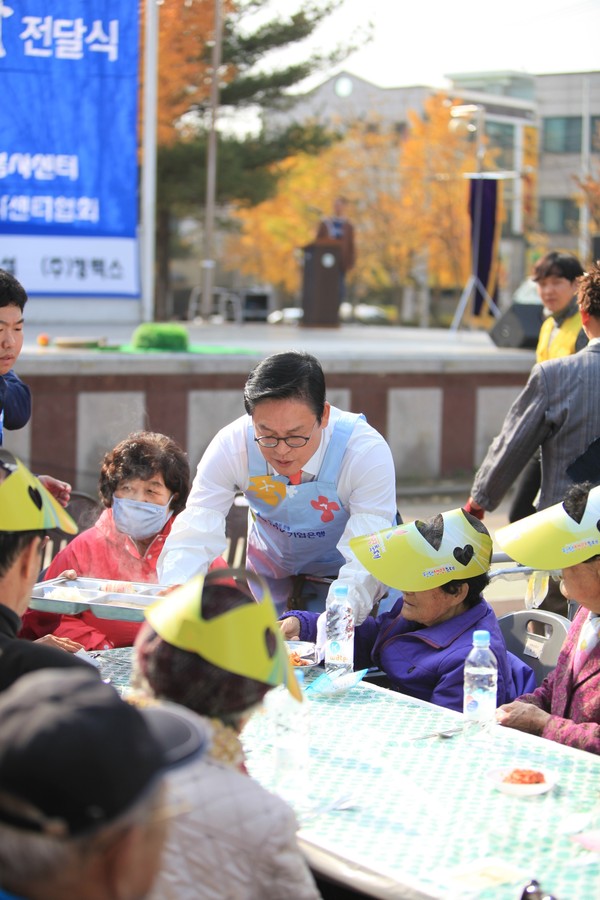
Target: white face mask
[138,519]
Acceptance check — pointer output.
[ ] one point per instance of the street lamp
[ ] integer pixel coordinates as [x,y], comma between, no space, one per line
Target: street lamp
[208,263]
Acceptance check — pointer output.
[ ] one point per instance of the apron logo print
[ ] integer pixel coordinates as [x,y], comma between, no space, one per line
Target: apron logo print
[267,489]
[328,507]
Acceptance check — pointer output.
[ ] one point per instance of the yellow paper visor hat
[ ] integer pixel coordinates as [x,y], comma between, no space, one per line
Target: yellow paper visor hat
[404,559]
[551,539]
[25,504]
[246,640]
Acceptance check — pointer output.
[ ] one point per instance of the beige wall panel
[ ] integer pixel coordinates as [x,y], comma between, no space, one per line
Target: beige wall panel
[491,407]
[208,412]
[415,431]
[104,419]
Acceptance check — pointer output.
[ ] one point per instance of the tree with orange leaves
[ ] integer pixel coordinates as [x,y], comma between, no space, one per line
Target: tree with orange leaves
[186,30]
[408,199]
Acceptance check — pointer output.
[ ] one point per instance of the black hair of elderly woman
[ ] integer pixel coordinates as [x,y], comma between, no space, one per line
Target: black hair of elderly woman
[235,838]
[141,455]
[422,641]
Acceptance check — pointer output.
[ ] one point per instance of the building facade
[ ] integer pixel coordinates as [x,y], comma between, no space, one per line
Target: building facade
[545,132]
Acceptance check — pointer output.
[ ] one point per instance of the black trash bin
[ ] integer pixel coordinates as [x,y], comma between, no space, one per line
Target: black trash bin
[255,306]
[321,287]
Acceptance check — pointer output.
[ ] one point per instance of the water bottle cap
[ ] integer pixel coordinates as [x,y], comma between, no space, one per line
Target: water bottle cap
[481,638]
[299,677]
[340,590]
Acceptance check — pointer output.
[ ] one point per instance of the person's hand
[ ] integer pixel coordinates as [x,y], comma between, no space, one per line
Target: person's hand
[523,717]
[290,628]
[474,508]
[61,643]
[60,490]
[69,574]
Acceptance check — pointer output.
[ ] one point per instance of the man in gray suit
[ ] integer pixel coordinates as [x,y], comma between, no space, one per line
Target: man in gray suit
[558,411]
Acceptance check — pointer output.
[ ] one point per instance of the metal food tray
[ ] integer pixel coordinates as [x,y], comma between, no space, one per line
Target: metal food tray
[104,604]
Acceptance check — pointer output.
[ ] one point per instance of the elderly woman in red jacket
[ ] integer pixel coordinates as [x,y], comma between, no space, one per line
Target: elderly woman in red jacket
[566,706]
[144,482]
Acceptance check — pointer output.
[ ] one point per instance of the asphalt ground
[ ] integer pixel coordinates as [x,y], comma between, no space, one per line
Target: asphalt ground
[418,347]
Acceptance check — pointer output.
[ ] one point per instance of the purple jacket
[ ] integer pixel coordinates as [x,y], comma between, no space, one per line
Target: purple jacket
[573,703]
[15,401]
[428,662]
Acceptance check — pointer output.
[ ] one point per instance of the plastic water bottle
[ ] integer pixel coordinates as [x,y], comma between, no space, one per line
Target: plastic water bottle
[290,737]
[339,618]
[481,681]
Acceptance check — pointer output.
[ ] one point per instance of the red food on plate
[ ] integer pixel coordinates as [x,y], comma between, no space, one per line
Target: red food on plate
[524,776]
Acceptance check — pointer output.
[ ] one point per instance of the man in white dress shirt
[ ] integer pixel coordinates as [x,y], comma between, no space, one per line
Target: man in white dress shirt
[314,477]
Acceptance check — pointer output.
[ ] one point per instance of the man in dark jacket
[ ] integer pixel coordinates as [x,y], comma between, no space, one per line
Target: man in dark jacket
[15,397]
[558,412]
[27,513]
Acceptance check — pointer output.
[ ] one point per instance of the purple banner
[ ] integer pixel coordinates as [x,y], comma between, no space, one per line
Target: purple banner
[485,231]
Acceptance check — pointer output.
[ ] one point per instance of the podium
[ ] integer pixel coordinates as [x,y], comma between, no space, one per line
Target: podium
[321,285]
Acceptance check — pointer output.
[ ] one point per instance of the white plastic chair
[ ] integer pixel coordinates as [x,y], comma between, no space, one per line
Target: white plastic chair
[540,651]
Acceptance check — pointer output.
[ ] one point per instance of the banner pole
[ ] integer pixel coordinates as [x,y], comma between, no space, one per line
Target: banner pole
[148,243]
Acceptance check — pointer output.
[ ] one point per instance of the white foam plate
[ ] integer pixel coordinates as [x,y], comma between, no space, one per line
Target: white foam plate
[523,790]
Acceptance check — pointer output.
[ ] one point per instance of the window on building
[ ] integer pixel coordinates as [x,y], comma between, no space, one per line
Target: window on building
[501,136]
[595,134]
[558,216]
[562,134]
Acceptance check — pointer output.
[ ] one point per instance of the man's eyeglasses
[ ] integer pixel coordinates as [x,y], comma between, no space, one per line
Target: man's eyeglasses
[294,441]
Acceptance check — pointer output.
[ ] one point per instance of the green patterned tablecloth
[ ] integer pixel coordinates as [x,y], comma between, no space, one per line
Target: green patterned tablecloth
[427,820]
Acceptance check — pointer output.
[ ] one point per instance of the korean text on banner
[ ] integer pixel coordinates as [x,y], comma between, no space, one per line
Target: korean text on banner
[68,145]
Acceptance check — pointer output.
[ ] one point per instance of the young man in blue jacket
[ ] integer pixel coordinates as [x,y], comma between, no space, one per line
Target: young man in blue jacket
[15,396]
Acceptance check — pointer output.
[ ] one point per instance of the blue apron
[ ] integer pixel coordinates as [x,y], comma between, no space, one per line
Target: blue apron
[295,528]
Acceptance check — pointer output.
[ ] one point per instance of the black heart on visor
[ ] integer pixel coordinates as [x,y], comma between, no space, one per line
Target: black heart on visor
[270,642]
[463,555]
[35,496]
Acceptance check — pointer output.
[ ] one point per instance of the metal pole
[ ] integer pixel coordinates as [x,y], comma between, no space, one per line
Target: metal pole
[149,156]
[474,283]
[208,263]
[584,216]
[478,201]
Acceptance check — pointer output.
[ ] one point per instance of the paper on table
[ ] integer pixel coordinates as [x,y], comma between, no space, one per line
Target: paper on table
[487,872]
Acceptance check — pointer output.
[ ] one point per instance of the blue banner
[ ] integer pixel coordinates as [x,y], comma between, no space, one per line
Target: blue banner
[68,144]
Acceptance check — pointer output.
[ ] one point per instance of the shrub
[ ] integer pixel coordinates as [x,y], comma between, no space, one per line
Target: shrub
[160,336]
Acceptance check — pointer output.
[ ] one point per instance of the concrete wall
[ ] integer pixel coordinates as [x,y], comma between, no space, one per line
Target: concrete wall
[437,417]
